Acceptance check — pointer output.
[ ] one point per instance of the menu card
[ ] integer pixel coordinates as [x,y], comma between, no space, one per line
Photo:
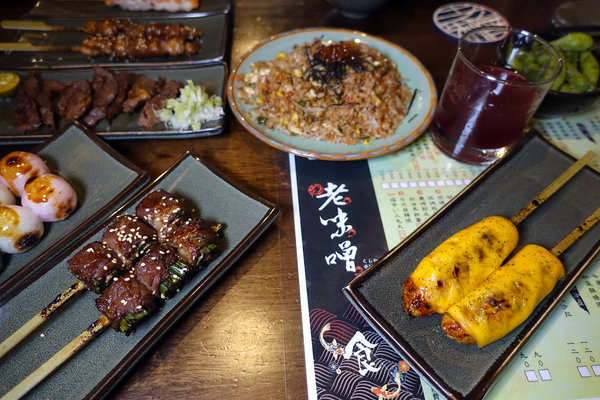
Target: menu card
[348,214]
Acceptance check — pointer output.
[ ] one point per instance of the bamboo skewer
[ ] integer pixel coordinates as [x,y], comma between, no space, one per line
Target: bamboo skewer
[38,26]
[39,318]
[552,188]
[58,359]
[576,233]
[26,46]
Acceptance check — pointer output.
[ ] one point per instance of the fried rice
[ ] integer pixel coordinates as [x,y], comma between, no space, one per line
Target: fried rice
[347,93]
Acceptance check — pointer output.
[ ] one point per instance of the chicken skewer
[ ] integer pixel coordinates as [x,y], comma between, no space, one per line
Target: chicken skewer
[509,294]
[96,264]
[464,260]
[116,38]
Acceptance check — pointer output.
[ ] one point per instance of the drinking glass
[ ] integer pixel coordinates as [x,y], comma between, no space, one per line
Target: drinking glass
[497,81]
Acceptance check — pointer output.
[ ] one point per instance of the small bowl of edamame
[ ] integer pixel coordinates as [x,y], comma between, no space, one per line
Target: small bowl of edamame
[577,88]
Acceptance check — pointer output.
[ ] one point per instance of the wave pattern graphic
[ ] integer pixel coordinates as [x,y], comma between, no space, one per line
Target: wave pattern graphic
[338,378]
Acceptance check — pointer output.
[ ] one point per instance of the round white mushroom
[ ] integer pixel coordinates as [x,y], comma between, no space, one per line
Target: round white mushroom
[18,167]
[6,196]
[20,229]
[50,197]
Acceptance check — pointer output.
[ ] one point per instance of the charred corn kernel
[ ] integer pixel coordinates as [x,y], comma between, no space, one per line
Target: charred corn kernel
[295,116]
[509,295]
[259,100]
[366,141]
[458,265]
[278,93]
[297,73]
[281,56]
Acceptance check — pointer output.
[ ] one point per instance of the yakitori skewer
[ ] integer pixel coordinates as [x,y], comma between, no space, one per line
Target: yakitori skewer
[466,258]
[510,293]
[116,38]
[97,263]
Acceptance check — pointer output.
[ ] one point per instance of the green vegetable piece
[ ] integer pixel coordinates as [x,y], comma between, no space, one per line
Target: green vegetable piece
[572,57]
[574,41]
[169,286]
[303,102]
[131,320]
[589,68]
[560,79]
[207,254]
[180,269]
[261,120]
[577,83]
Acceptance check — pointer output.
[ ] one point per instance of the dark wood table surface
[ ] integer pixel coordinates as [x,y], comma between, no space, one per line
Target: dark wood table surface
[243,339]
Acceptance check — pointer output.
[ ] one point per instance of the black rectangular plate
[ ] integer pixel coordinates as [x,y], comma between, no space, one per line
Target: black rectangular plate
[102,179]
[93,8]
[124,126]
[212,44]
[466,372]
[93,371]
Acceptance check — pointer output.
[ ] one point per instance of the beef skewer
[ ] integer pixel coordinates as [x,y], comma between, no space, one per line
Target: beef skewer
[96,264]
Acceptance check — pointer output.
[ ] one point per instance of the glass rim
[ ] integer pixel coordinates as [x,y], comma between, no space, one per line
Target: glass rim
[507,29]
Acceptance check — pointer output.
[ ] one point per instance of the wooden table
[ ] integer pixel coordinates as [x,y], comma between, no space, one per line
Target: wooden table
[243,340]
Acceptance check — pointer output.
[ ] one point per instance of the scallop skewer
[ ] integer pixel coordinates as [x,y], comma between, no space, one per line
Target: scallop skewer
[509,295]
[465,259]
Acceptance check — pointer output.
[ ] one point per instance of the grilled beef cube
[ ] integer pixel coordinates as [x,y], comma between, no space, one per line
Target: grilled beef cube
[128,237]
[123,82]
[196,242]
[95,265]
[149,115]
[46,99]
[161,271]
[142,90]
[125,303]
[74,100]
[28,118]
[105,88]
[159,209]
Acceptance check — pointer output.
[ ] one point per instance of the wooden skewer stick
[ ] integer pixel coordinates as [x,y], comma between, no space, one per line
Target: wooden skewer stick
[38,26]
[58,359]
[26,46]
[576,233]
[39,318]
[553,187]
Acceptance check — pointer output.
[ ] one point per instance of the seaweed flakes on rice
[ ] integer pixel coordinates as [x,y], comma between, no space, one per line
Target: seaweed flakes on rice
[344,92]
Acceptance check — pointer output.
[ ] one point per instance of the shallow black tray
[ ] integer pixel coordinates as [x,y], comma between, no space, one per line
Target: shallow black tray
[212,45]
[456,370]
[93,371]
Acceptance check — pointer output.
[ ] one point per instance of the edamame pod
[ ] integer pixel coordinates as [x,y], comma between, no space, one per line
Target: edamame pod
[589,68]
[574,41]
